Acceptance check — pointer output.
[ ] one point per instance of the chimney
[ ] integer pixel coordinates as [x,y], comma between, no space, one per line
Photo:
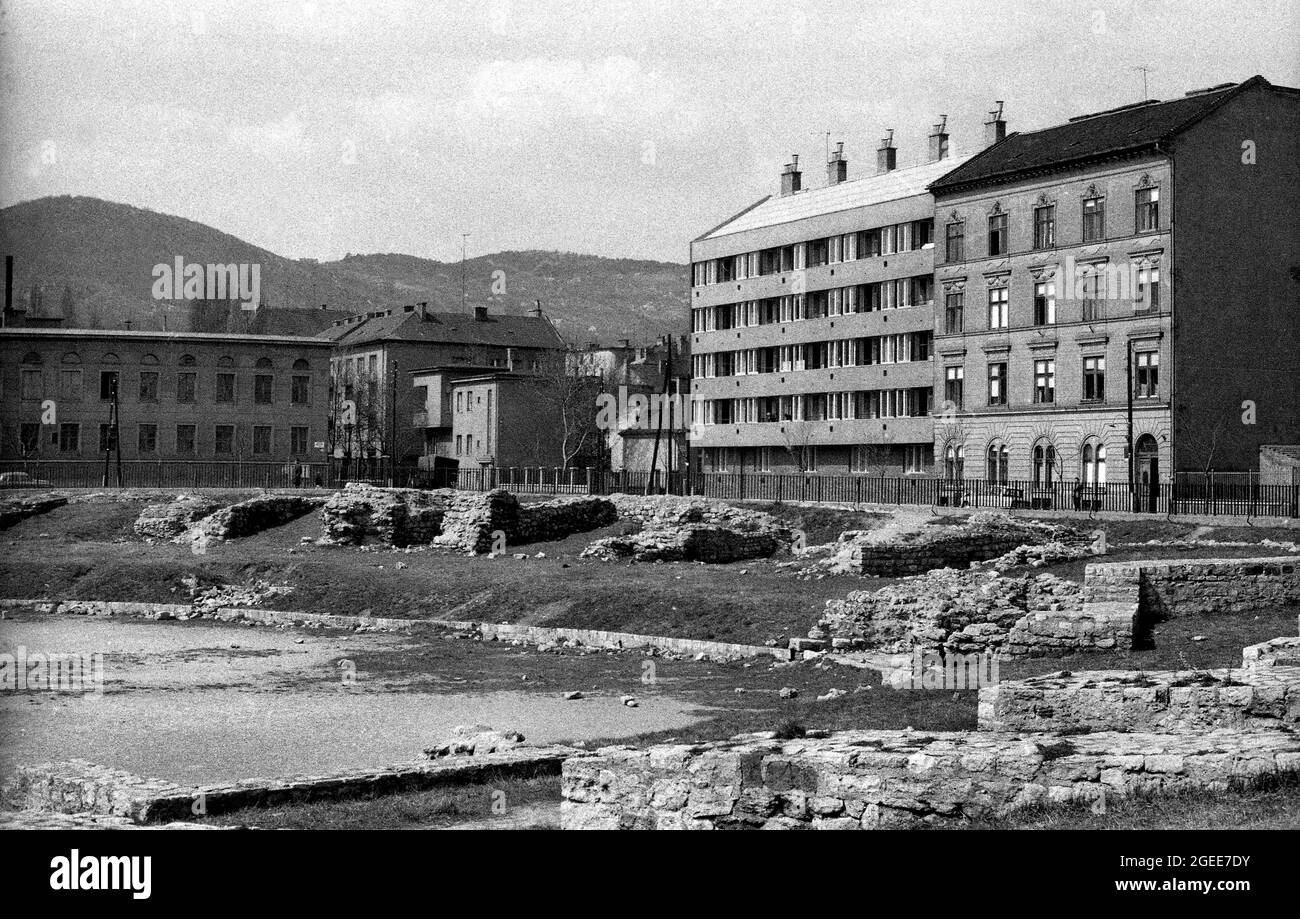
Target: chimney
[939,140]
[535,310]
[837,167]
[421,308]
[886,155]
[995,129]
[510,360]
[791,178]
[480,314]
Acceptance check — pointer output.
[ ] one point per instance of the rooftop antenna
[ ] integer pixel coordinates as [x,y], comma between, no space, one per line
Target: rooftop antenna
[826,135]
[1144,82]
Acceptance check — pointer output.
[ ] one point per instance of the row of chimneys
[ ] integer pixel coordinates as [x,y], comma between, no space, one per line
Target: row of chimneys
[837,167]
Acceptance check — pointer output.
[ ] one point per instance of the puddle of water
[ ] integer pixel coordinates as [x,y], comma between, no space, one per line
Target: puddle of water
[188,717]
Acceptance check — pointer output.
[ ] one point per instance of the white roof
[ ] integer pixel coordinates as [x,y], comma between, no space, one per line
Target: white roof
[814,202]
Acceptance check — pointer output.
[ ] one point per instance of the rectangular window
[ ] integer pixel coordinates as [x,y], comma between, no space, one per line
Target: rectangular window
[955,242]
[998,383]
[185,386]
[107,384]
[29,438]
[1146,216]
[916,457]
[32,389]
[69,438]
[147,438]
[148,386]
[1094,379]
[1045,381]
[298,438]
[953,304]
[1091,283]
[225,387]
[998,234]
[185,439]
[301,392]
[459,438]
[1146,380]
[262,388]
[1147,295]
[1045,227]
[261,439]
[224,442]
[1045,303]
[952,385]
[70,385]
[998,308]
[460,404]
[1094,219]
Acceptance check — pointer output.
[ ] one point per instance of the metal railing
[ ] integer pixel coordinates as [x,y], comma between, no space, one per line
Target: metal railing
[1187,495]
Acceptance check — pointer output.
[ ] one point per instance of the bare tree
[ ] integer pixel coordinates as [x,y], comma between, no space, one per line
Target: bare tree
[563,426]
[798,443]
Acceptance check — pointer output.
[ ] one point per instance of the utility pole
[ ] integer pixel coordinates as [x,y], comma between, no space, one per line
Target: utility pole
[392,430]
[1144,82]
[114,443]
[659,422]
[1128,450]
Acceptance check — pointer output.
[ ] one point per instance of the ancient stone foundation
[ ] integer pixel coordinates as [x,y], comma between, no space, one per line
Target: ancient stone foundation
[551,520]
[472,518]
[885,779]
[12,512]
[363,514]
[254,515]
[1244,699]
[690,542]
[173,518]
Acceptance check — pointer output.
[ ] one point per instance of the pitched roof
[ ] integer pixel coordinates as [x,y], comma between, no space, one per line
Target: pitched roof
[1126,129]
[446,328]
[828,199]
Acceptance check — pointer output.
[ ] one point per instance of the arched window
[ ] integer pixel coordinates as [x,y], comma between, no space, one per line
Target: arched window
[72,357]
[1044,465]
[997,463]
[263,363]
[300,364]
[31,357]
[148,359]
[187,360]
[110,358]
[226,361]
[1092,462]
[954,462]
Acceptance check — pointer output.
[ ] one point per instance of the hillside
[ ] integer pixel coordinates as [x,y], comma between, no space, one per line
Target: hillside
[92,261]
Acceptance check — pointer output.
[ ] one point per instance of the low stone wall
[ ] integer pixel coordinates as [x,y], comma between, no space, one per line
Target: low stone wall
[101,608]
[171,519]
[81,787]
[969,612]
[887,779]
[691,542]
[473,517]
[363,514]
[13,511]
[1165,701]
[250,517]
[550,520]
[655,511]
[1276,652]
[1225,585]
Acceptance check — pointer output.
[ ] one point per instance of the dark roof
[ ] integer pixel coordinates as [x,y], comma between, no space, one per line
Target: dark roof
[1127,129]
[446,328]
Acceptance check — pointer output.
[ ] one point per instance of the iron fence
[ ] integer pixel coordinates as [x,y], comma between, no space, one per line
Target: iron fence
[1232,496]
[1211,494]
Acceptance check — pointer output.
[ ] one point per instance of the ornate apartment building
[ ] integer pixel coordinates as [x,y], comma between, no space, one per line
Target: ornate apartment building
[812,317]
[1122,287]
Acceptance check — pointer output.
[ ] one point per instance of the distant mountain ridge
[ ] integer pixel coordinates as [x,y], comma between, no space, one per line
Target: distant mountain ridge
[92,261]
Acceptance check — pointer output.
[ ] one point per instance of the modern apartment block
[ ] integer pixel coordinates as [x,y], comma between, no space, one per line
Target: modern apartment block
[812,317]
[179,395]
[1122,282]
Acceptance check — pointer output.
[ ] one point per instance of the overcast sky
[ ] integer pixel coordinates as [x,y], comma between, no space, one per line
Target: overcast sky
[615,128]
